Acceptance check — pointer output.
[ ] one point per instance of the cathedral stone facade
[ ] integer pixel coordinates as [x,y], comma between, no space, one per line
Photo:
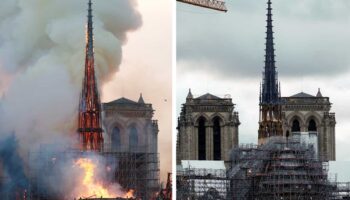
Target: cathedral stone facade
[305,113]
[129,126]
[131,133]
[207,128]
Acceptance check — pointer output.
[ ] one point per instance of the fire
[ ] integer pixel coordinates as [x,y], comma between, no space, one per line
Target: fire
[129,194]
[91,186]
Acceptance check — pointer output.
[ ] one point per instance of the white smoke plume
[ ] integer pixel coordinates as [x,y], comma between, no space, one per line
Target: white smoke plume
[42,54]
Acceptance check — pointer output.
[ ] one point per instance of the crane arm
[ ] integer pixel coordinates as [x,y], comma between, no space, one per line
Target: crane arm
[211,4]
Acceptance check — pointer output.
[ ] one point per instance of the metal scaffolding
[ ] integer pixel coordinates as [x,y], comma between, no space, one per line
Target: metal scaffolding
[280,169]
[202,184]
[342,190]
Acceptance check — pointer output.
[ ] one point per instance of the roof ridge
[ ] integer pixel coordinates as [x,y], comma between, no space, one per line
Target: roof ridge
[123,100]
[302,94]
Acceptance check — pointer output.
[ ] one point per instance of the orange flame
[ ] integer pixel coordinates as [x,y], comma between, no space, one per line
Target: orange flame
[129,194]
[93,187]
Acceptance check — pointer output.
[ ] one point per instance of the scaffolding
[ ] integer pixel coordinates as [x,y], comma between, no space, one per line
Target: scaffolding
[342,190]
[280,169]
[202,184]
[132,170]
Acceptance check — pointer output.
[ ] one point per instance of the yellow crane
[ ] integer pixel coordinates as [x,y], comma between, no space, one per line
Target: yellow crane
[211,4]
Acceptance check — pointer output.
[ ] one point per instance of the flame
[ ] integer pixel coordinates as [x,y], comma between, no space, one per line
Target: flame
[129,194]
[93,187]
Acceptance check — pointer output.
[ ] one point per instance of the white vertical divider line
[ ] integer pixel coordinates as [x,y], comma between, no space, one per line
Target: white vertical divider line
[174,121]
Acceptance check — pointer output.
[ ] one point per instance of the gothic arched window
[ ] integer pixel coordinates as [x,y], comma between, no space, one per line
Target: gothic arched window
[296,126]
[217,138]
[133,138]
[201,139]
[115,138]
[312,125]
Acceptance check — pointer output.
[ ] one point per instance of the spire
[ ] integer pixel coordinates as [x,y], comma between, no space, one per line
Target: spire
[89,34]
[89,119]
[319,94]
[270,120]
[141,99]
[270,85]
[189,95]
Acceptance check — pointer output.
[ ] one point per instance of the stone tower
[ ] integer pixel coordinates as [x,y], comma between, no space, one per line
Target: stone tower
[129,126]
[309,115]
[270,123]
[89,119]
[207,128]
[131,130]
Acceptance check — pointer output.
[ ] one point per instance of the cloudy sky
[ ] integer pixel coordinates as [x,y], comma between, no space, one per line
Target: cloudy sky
[223,53]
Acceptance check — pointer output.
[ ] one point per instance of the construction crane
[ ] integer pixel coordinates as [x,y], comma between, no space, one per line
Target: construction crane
[211,4]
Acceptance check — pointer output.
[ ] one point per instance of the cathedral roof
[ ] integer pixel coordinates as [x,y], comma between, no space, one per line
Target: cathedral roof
[123,100]
[208,96]
[302,94]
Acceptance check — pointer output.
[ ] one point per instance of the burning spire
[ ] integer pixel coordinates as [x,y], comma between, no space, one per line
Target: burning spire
[89,127]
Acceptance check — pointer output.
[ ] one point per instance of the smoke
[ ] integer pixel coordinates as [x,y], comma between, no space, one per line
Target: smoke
[12,167]
[42,49]
[42,54]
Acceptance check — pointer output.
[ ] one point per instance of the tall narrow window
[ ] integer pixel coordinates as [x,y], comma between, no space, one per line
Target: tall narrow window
[115,137]
[201,139]
[133,138]
[296,126]
[217,138]
[312,125]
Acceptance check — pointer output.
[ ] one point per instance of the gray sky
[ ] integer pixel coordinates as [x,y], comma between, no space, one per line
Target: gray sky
[223,53]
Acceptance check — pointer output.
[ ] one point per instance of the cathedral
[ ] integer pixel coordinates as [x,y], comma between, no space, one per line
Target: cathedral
[208,125]
[300,114]
[207,128]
